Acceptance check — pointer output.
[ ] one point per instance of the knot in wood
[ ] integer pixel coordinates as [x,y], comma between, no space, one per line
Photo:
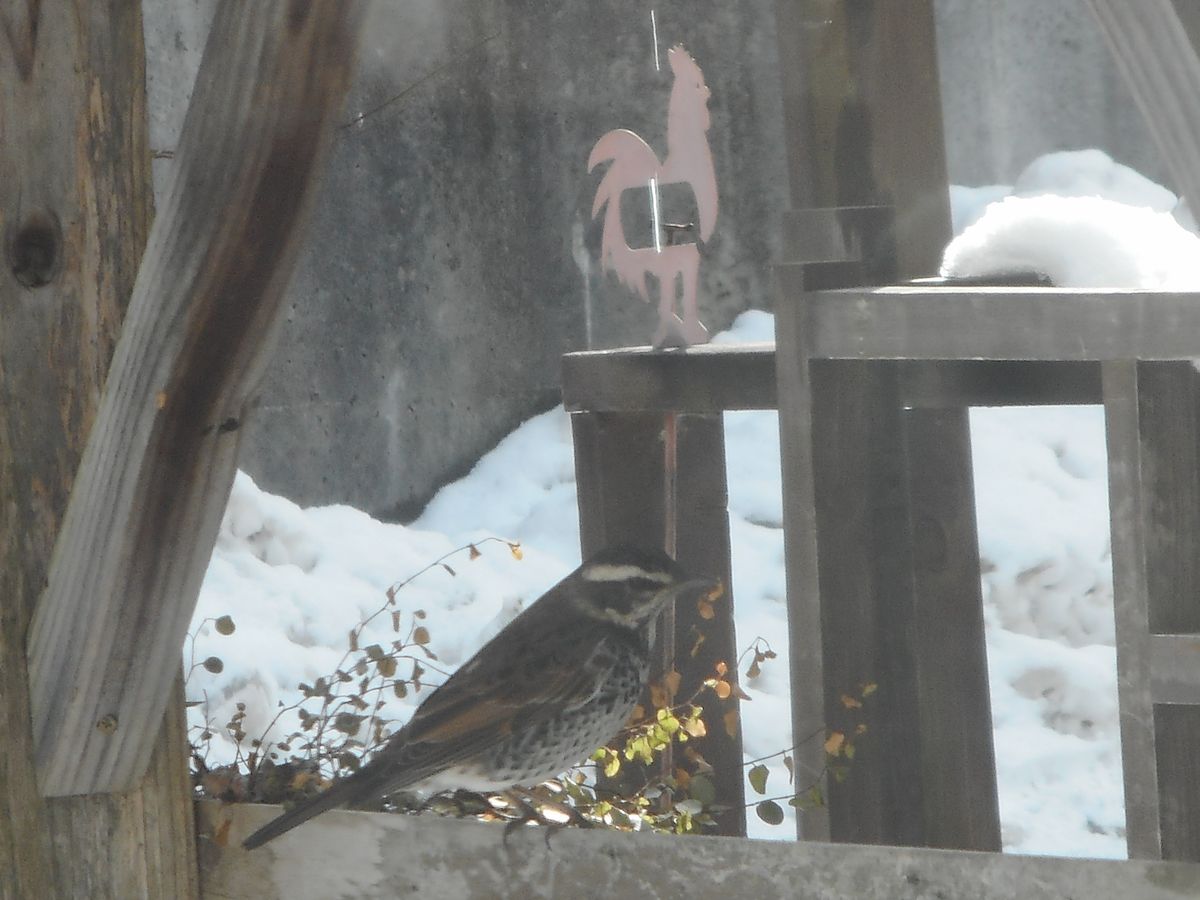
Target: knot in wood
[107,725]
[35,248]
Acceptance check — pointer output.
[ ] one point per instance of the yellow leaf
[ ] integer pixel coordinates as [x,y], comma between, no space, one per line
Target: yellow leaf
[695,727]
[850,702]
[869,688]
[731,723]
[705,609]
[721,668]
[516,551]
[672,680]
[834,742]
[723,689]
[658,696]
[421,635]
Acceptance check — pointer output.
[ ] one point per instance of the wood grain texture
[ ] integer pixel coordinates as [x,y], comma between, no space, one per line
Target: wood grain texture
[863,118]
[75,211]
[104,642]
[619,470]
[982,323]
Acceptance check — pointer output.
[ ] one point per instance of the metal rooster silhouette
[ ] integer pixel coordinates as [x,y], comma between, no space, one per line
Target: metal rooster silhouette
[634,165]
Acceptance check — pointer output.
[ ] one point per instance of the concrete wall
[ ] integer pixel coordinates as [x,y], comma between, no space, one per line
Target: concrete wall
[452,258]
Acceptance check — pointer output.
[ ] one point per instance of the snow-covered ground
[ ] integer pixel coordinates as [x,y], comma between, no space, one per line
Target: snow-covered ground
[296,581]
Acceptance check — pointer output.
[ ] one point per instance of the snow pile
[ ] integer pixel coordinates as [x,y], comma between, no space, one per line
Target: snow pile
[1112,245]
[296,581]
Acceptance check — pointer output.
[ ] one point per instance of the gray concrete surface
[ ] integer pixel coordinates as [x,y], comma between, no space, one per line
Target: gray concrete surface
[452,258]
[363,855]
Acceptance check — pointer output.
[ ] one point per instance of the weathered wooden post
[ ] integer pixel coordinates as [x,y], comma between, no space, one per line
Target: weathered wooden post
[864,129]
[130,547]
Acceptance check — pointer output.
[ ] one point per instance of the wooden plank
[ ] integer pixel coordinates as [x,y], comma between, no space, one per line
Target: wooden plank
[1128,512]
[997,323]
[863,117]
[104,642]
[1169,420]
[1175,668]
[1175,731]
[703,545]
[960,808]
[469,860]
[619,475]
[75,204]
[719,377]
[1169,478]
[1157,57]
[943,383]
[806,638]
[708,378]
[864,560]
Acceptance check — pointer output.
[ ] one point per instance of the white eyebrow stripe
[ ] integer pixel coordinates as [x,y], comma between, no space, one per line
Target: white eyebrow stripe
[608,572]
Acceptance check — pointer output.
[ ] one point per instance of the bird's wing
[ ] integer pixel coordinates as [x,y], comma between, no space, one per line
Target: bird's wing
[492,694]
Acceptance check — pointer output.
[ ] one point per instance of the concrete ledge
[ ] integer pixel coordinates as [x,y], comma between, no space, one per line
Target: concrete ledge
[365,855]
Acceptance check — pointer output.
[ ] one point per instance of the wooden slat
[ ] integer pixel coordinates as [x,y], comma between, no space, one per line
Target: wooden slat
[946,646]
[1128,510]
[938,384]
[105,638]
[470,861]
[997,323]
[1169,478]
[703,545]
[806,639]
[619,476]
[721,377]
[75,206]
[865,569]
[863,118]
[1175,668]
[706,378]
[1175,731]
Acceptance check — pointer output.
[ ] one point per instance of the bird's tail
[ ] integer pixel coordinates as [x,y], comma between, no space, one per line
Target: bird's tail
[358,788]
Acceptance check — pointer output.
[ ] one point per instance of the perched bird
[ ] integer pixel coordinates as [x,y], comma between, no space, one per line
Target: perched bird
[556,683]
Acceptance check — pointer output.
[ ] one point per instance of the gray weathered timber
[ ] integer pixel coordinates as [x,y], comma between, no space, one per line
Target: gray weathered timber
[104,642]
[868,176]
[1158,60]
[619,470]
[373,855]
[863,119]
[1175,668]
[946,638]
[979,323]
[707,378]
[75,206]
[1154,491]
[721,377]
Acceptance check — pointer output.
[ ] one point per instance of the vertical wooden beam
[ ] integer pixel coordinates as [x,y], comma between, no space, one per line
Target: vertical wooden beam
[619,472]
[960,807]
[863,116]
[75,210]
[104,642]
[1158,521]
[806,642]
[1128,508]
[864,126]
